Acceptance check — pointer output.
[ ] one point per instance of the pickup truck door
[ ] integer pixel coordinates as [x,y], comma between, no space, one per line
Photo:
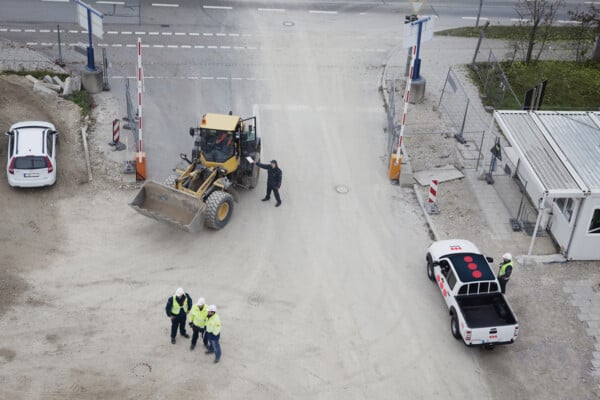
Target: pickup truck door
[446,280]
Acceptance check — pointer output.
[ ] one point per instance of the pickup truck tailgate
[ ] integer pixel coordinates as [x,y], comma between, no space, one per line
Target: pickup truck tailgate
[500,334]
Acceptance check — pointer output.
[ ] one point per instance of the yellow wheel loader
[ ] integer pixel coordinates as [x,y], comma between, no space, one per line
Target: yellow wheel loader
[202,191]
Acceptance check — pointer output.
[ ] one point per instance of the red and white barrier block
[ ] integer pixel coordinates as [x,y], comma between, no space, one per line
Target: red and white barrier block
[431,205]
[116,136]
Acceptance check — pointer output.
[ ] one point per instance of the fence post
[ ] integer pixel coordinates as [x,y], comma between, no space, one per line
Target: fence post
[444,88]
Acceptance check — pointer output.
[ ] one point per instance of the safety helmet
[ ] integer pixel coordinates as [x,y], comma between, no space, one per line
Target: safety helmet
[212,308]
[507,256]
[201,301]
[179,292]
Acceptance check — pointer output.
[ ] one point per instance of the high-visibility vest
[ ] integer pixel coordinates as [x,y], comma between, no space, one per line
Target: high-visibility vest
[213,324]
[198,316]
[503,269]
[175,308]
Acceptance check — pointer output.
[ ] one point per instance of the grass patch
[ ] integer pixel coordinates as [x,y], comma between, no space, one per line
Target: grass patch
[83,99]
[570,86]
[556,33]
[37,74]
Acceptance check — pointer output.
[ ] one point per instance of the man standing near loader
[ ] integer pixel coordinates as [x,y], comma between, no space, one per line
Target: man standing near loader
[274,176]
[213,332]
[177,308]
[198,317]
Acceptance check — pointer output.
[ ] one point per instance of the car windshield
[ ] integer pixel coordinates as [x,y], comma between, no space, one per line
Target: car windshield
[217,145]
[29,162]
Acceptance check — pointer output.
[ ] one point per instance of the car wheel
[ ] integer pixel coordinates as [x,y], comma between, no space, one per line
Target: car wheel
[430,273]
[454,327]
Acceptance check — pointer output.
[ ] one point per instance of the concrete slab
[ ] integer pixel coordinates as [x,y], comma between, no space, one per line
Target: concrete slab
[442,174]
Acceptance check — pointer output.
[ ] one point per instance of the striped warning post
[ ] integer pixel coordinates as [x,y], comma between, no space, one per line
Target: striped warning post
[116,137]
[431,206]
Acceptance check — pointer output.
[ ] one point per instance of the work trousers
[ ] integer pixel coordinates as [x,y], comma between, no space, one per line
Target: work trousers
[275,192]
[503,283]
[213,345]
[199,332]
[178,322]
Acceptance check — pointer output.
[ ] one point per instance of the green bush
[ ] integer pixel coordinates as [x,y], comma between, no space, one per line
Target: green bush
[83,99]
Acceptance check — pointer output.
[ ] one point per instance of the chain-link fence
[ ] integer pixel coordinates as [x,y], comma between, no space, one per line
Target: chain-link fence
[393,128]
[131,116]
[454,102]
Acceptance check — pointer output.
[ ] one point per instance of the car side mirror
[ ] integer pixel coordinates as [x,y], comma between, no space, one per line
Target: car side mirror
[8,133]
[489,259]
[192,131]
[436,263]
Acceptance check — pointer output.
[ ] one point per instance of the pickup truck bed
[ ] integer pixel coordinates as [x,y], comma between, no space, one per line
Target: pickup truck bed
[489,310]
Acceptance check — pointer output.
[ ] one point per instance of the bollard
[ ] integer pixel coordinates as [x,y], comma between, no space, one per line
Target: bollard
[431,205]
[116,136]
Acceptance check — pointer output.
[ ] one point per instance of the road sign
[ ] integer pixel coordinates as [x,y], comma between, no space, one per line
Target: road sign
[95,17]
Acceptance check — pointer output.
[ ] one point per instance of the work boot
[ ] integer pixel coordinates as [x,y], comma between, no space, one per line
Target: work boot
[278,204]
[216,360]
[185,335]
[172,340]
[266,199]
[192,347]
[208,352]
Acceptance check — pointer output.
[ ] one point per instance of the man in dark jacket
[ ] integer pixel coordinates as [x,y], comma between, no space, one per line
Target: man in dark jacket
[177,308]
[273,180]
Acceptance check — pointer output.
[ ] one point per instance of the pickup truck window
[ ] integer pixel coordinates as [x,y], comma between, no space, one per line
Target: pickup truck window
[451,278]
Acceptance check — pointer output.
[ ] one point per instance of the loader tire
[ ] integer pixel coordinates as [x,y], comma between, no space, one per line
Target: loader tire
[170,181]
[219,207]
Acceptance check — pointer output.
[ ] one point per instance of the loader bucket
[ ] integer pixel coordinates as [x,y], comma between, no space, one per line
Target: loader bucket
[167,204]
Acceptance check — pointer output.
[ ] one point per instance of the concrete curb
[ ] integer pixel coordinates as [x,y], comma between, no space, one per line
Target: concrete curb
[86,152]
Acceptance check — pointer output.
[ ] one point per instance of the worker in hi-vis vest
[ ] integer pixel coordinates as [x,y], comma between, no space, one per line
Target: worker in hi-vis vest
[198,316]
[213,332]
[506,267]
[177,308]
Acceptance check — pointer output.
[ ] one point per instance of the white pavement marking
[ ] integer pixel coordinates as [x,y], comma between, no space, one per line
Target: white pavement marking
[221,34]
[234,34]
[146,45]
[116,45]
[322,12]
[562,21]
[125,33]
[46,44]
[44,30]
[271,10]
[208,77]
[153,33]
[131,45]
[112,32]
[31,43]
[3,30]
[212,47]
[114,3]
[519,20]
[194,34]
[236,79]
[198,47]
[362,13]
[192,77]
[225,47]
[180,33]
[481,18]
[238,47]
[207,34]
[164,5]
[103,45]
[186,46]
[57,1]
[117,77]
[140,33]
[15,30]
[218,7]
[73,31]
[29,30]
[166,33]
[172,46]
[160,46]
[222,78]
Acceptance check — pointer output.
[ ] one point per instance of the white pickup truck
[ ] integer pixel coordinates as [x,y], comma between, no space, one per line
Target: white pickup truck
[479,313]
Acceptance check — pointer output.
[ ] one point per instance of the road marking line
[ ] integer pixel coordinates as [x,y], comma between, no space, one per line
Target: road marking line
[86,32]
[166,33]
[221,78]
[31,43]
[153,33]
[102,45]
[112,32]
[481,18]
[160,46]
[234,34]
[218,7]
[198,47]
[131,45]
[250,79]
[44,30]
[148,77]
[322,12]
[362,13]
[57,1]
[117,77]
[221,34]
[186,46]
[47,44]
[562,21]
[212,47]
[73,31]
[194,34]
[140,33]
[207,77]
[238,47]
[519,20]
[114,3]
[15,30]
[172,46]
[193,77]
[225,47]
[207,34]
[3,30]
[236,79]
[180,33]
[271,10]
[145,45]
[117,45]
[164,5]
[125,33]
[29,30]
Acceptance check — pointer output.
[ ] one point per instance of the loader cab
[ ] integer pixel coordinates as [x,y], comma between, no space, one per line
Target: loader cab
[219,140]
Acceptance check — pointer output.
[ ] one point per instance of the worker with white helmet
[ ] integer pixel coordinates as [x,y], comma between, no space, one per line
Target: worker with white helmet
[506,267]
[177,308]
[213,332]
[198,316]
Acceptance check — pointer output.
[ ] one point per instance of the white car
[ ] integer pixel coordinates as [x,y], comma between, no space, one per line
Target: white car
[31,154]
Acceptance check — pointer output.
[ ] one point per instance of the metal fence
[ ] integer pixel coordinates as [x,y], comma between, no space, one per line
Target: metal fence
[454,102]
[496,87]
[393,128]
[131,116]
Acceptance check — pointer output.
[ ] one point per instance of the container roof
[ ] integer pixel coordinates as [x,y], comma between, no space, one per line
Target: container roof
[562,148]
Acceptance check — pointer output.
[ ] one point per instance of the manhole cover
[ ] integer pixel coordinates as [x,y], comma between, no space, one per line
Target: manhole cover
[288,23]
[141,369]
[255,299]
[342,189]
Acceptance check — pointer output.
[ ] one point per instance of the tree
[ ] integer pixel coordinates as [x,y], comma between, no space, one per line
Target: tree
[589,20]
[537,16]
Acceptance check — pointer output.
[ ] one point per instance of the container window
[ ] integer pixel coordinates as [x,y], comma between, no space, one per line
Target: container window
[595,223]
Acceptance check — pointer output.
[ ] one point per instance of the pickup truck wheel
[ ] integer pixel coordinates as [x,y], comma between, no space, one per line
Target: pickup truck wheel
[430,273]
[454,327]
